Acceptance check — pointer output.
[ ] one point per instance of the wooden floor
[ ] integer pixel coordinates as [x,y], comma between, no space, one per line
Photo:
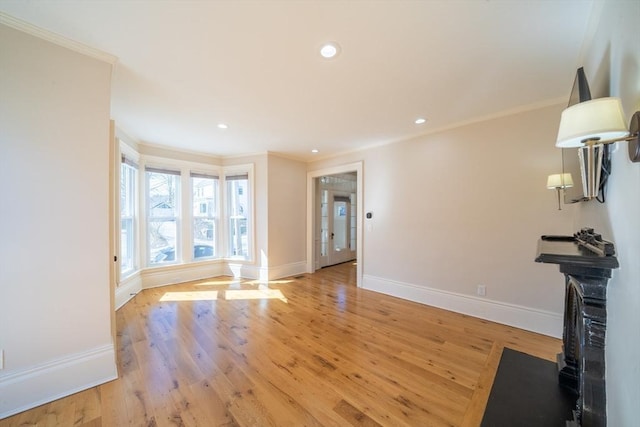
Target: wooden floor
[312,350]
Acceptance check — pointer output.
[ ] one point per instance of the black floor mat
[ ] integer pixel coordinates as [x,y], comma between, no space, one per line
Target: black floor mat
[526,393]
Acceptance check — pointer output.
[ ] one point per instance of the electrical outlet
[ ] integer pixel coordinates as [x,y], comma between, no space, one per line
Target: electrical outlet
[482,290]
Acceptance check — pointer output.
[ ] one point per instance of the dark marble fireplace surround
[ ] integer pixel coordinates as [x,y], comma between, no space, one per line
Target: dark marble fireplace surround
[586,260]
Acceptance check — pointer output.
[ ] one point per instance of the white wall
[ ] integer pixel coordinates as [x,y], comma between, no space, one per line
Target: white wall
[55,307]
[612,65]
[287,221]
[466,207]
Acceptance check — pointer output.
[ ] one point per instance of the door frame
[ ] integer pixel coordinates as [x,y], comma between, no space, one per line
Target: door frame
[312,219]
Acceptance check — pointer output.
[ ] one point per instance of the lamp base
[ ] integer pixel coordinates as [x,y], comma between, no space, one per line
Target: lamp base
[591,168]
[634,144]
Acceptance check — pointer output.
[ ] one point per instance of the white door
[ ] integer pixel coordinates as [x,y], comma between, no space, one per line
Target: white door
[337,228]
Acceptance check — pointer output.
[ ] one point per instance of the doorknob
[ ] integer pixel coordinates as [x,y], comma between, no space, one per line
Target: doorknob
[332,236]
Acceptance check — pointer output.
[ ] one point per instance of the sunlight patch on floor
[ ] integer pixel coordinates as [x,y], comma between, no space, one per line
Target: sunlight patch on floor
[229,295]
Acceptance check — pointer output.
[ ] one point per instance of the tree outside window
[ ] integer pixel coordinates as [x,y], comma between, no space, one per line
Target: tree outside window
[162,215]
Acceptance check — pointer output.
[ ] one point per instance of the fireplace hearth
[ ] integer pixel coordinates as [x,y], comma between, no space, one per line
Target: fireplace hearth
[586,260]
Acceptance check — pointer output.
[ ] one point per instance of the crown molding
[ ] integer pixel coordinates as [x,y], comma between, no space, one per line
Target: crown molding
[55,38]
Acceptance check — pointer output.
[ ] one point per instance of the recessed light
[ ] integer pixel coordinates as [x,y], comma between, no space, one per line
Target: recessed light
[314,151]
[223,126]
[330,50]
[420,120]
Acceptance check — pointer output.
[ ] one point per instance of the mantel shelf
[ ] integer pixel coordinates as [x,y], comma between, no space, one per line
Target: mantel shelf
[565,251]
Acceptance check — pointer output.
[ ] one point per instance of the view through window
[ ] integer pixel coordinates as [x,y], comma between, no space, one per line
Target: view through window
[163,214]
[238,215]
[204,212]
[128,229]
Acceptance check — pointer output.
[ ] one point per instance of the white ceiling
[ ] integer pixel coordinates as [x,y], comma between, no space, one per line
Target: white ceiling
[185,66]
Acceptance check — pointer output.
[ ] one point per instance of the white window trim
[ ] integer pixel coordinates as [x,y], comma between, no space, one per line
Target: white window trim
[218,244]
[234,170]
[125,150]
[184,239]
[177,217]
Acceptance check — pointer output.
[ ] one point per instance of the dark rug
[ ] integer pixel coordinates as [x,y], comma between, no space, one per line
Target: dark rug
[526,393]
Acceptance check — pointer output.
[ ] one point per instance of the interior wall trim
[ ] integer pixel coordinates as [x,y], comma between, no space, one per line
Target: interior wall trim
[127,289]
[41,33]
[531,319]
[287,270]
[25,389]
[180,273]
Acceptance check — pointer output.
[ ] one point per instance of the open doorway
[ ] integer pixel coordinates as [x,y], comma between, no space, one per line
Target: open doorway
[337,227]
[334,217]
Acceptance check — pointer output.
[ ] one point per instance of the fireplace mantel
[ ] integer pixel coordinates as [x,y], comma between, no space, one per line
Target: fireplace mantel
[586,260]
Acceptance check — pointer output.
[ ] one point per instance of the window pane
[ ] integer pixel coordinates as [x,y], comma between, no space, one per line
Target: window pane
[163,215]
[238,212]
[127,189]
[238,244]
[354,222]
[127,245]
[162,241]
[163,198]
[204,231]
[128,186]
[204,213]
[324,223]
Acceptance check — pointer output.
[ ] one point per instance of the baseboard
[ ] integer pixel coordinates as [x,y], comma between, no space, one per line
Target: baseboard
[127,289]
[265,274]
[26,389]
[531,319]
[171,275]
[287,270]
[245,271]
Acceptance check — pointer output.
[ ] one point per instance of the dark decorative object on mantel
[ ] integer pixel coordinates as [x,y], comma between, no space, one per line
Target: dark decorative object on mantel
[586,260]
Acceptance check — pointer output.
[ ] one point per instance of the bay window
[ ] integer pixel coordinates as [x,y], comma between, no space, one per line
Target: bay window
[191,212]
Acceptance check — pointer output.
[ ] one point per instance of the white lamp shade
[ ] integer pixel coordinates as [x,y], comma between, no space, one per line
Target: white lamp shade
[599,118]
[560,180]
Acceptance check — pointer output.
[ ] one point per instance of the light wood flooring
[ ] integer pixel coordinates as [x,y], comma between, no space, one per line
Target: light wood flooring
[306,351]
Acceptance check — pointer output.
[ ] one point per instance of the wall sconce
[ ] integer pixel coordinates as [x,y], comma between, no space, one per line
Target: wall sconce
[559,182]
[591,125]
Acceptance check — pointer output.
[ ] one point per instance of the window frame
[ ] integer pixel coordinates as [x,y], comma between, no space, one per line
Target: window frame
[176,217]
[128,171]
[213,214]
[130,157]
[184,247]
[248,170]
[184,232]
